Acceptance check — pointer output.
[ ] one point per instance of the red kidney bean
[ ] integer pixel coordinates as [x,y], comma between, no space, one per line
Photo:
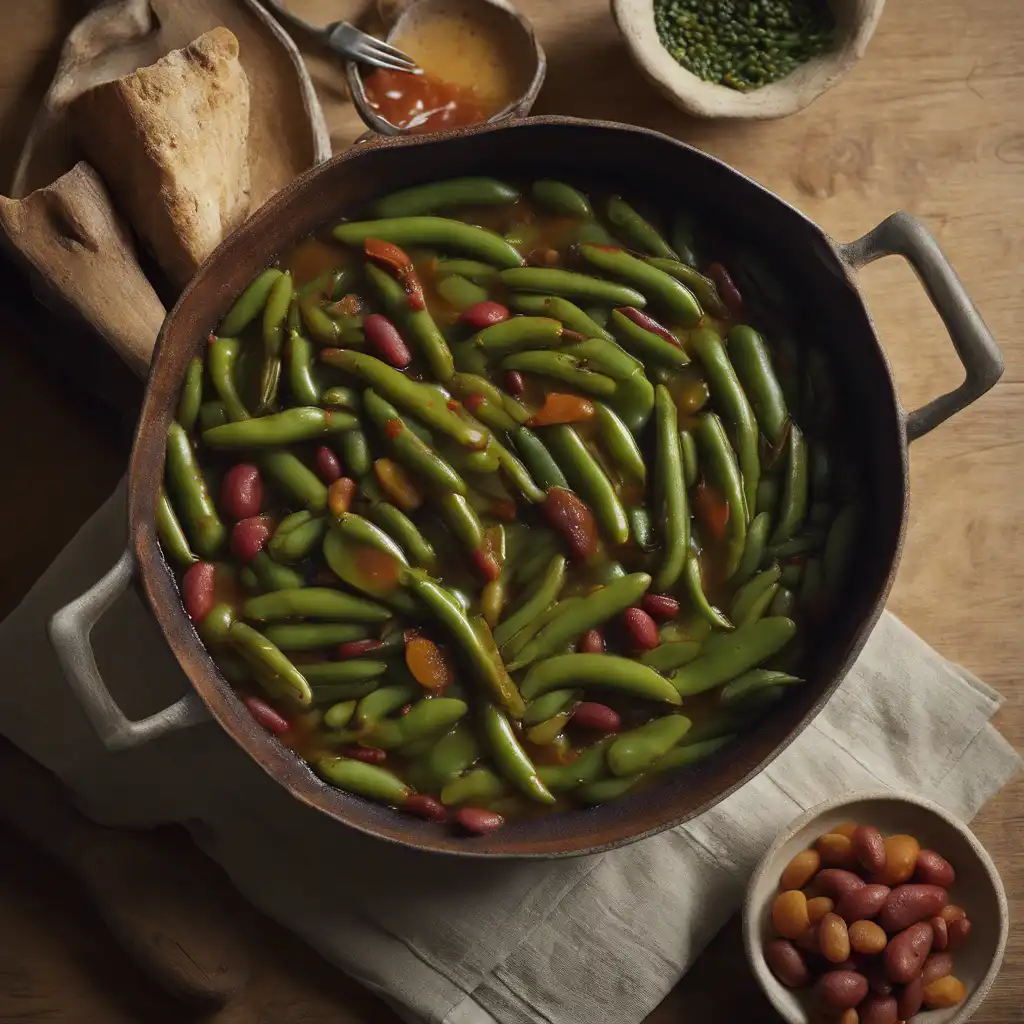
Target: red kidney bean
[486,563]
[369,755]
[959,932]
[328,465]
[425,806]
[726,287]
[599,717]
[862,904]
[267,716]
[660,606]
[514,383]
[592,642]
[357,648]
[241,491]
[837,882]
[878,1010]
[908,904]
[478,821]
[877,981]
[839,990]
[249,537]
[941,930]
[570,516]
[383,335]
[641,628]
[648,323]
[934,869]
[938,965]
[906,952]
[868,847]
[484,314]
[910,998]
[786,962]
[197,590]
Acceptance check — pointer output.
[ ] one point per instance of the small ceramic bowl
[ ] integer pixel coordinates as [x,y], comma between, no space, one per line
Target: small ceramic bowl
[855,24]
[525,57]
[978,889]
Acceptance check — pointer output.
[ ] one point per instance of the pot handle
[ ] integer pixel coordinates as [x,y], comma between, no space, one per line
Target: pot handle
[904,235]
[69,630]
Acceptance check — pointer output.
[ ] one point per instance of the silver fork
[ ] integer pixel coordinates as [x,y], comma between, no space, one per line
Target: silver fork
[349,41]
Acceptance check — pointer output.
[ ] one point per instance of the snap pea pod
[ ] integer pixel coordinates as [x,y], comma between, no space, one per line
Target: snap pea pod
[472,638]
[590,766]
[720,464]
[433,232]
[813,583]
[603,671]
[418,324]
[802,544]
[222,359]
[314,603]
[296,536]
[337,716]
[759,608]
[323,328]
[441,195]
[424,718]
[528,566]
[366,780]
[405,532]
[473,270]
[663,290]
[274,671]
[728,655]
[453,754]
[212,414]
[840,546]
[480,786]
[701,286]
[565,368]
[333,673]
[672,655]
[636,231]
[749,355]
[589,480]
[291,475]
[638,749]
[301,380]
[518,334]
[346,551]
[462,520]
[728,393]
[695,590]
[191,395]
[490,404]
[557,197]
[619,443]
[792,574]
[549,732]
[769,490]
[571,285]
[682,235]
[275,313]
[574,318]
[300,423]
[754,549]
[376,706]
[752,682]
[793,504]
[672,514]
[355,453]
[508,755]
[517,473]
[640,527]
[540,598]
[186,482]
[341,398]
[419,399]
[552,703]
[633,399]
[271,576]
[691,464]
[744,598]
[593,233]
[646,345]
[249,304]
[783,603]
[575,620]
[313,636]
[171,535]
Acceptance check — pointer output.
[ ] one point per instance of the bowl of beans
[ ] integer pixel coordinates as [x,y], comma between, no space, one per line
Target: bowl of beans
[874,910]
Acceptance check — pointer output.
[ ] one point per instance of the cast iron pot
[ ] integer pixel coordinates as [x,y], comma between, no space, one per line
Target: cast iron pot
[636,160]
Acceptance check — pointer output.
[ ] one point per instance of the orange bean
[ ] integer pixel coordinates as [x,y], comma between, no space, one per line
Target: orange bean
[900,860]
[789,914]
[818,907]
[800,870]
[398,485]
[944,992]
[836,851]
[427,663]
[559,408]
[845,828]
[867,937]
[833,938]
[340,495]
[850,1016]
[951,912]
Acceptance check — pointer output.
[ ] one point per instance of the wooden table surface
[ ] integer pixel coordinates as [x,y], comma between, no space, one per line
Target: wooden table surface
[931,121]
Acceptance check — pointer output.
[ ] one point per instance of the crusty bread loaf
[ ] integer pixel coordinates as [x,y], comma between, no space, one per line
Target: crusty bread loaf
[171,142]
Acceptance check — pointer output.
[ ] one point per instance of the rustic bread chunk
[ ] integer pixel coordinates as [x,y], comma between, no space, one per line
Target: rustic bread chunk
[171,142]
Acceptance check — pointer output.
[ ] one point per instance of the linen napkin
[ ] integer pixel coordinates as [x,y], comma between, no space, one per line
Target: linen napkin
[566,942]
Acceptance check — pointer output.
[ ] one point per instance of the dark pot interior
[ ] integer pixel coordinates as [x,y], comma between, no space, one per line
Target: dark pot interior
[639,162]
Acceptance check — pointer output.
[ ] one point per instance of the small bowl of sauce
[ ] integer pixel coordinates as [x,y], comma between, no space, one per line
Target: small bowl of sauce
[479,61]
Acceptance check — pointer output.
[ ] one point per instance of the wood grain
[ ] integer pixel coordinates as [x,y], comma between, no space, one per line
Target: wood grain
[931,121]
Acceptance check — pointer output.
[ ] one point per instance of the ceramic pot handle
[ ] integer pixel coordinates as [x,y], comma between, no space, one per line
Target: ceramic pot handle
[904,235]
[69,631]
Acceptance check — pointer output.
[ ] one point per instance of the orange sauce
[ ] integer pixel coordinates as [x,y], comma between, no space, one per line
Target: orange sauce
[423,103]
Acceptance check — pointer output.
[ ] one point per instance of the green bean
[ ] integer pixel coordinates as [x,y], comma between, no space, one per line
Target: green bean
[508,755]
[753,682]
[590,766]
[593,233]
[754,549]
[598,670]
[472,637]
[540,598]
[301,381]
[638,749]
[354,450]
[249,304]
[745,597]
[466,384]
[793,504]
[424,718]
[691,464]
[271,576]
[186,482]
[769,490]
[753,364]
[728,393]
[191,395]
[840,546]
[672,515]
[561,367]
[333,673]
[313,636]
[574,318]
[640,527]
[171,535]
[296,535]
[459,292]
[702,287]
[376,706]
[646,345]
[792,574]
[548,705]
[672,655]
[638,233]
[599,314]
[435,232]
[517,473]
[732,654]
[549,732]
[417,398]
[462,520]
[682,237]
[322,327]
[362,779]
[481,273]
[273,669]
[571,285]
[300,423]
[695,590]
[784,601]
[562,199]
[633,398]
[479,786]
[212,414]
[813,583]
[618,441]
[337,716]
[453,754]
[441,195]
[314,603]
[518,334]
[759,608]
[405,532]
[802,544]
[275,312]
[720,464]
[285,469]
[676,299]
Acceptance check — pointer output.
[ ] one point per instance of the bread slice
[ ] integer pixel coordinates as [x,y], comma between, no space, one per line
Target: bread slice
[171,142]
